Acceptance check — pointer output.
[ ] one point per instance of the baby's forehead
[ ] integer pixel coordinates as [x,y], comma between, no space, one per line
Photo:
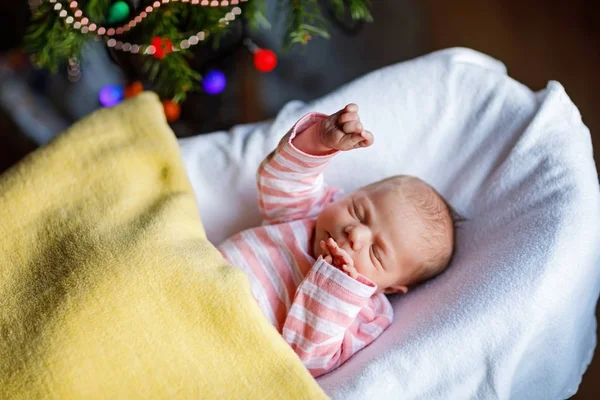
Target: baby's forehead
[399,188]
[389,201]
[405,197]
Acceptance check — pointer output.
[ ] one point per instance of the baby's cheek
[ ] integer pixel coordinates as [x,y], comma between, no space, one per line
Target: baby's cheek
[361,267]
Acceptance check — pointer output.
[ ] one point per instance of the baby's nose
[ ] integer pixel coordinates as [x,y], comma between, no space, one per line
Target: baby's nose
[358,235]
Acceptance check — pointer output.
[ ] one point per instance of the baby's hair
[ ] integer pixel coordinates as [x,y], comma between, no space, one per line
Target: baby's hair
[440,221]
[457,221]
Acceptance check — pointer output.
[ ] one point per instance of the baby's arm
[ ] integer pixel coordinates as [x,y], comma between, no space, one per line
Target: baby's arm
[290,180]
[333,316]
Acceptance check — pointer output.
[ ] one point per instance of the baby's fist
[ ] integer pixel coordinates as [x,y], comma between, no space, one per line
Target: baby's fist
[344,131]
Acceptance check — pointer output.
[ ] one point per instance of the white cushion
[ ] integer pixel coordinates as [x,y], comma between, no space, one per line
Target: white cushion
[513,317]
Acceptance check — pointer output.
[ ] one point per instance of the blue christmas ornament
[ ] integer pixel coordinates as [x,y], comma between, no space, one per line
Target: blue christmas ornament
[111,95]
[214,82]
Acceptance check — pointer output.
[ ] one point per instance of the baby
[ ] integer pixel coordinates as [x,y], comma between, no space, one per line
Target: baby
[321,263]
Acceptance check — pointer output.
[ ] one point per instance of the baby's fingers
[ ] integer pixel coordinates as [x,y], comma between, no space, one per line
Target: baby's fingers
[350,141]
[353,141]
[352,127]
[339,252]
[348,117]
[325,248]
[353,108]
[333,246]
[350,270]
[365,139]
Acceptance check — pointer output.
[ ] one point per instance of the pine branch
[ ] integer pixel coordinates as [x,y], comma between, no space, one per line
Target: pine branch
[209,20]
[173,77]
[303,21]
[359,10]
[97,10]
[254,15]
[53,42]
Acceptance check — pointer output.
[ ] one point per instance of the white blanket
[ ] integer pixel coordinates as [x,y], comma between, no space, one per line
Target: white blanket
[513,317]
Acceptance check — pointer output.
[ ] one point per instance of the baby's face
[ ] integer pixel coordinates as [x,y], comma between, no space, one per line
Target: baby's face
[375,225]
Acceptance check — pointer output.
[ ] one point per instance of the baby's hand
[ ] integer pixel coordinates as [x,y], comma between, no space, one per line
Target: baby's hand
[326,253]
[343,130]
[338,257]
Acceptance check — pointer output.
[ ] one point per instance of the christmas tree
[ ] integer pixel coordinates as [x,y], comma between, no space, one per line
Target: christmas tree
[163,34]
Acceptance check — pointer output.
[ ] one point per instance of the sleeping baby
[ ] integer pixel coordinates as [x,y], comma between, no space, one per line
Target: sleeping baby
[321,263]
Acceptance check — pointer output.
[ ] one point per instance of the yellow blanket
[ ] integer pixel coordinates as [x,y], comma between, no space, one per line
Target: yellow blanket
[108,286]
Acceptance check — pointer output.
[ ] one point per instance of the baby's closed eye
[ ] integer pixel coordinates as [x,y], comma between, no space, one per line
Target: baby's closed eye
[376,256]
[357,212]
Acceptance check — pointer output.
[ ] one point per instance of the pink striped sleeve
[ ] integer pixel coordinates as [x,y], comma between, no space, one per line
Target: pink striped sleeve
[290,182]
[333,316]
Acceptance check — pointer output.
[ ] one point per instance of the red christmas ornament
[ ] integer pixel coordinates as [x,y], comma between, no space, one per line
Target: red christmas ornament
[162,47]
[133,89]
[265,60]
[172,110]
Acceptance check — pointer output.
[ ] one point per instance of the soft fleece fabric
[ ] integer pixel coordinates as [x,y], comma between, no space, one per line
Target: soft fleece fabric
[108,286]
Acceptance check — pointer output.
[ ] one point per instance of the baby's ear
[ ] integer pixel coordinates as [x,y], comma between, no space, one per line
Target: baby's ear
[396,289]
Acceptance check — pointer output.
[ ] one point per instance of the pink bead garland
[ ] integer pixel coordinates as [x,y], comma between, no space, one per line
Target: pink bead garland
[80,22]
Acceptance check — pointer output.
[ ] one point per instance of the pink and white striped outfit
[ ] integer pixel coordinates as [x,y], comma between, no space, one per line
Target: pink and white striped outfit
[324,314]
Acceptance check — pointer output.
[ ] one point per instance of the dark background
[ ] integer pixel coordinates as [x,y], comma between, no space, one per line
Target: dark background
[538,40]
